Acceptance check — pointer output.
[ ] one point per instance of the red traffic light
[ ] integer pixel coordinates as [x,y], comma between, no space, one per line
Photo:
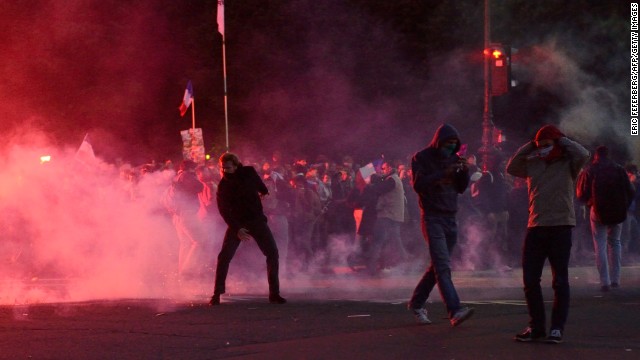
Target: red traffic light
[495,52]
[499,66]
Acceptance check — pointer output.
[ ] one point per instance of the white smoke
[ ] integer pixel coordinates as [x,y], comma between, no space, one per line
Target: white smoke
[72,231]
[594,112]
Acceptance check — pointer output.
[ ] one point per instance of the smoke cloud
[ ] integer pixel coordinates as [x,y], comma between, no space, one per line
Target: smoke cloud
[313,77]
[587,108]
[75,224]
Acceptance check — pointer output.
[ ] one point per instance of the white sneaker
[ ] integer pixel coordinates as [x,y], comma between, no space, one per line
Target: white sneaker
[421,316]
[555,337]
[461,315]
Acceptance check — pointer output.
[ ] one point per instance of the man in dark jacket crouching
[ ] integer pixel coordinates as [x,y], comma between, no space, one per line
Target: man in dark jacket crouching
[239,204]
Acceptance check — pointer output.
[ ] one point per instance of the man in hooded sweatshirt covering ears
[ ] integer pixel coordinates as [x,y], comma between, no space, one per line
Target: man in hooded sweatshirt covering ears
[439,176]
[550,164]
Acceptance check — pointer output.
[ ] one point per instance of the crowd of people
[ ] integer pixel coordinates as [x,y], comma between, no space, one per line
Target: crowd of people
[314,208]
[315,211]
[510,211]
[550,200]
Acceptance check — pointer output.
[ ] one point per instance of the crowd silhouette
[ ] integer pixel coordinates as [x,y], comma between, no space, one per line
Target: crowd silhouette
[324,215]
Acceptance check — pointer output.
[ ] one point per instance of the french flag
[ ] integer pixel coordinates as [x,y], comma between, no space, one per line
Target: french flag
[187,99]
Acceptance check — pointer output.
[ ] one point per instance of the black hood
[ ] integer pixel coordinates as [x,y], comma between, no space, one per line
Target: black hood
[445,132]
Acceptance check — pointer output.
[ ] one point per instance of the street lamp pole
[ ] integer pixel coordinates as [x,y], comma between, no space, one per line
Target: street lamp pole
[487,116]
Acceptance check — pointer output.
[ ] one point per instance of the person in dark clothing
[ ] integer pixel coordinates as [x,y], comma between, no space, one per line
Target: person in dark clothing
[366,199]
[439,176]
[340,210]
[240,206]
[608,210]
[490,197]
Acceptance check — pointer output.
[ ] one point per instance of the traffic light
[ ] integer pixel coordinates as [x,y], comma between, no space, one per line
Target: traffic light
[500,68]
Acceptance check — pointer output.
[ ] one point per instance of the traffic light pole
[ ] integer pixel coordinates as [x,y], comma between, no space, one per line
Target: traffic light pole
[487,116]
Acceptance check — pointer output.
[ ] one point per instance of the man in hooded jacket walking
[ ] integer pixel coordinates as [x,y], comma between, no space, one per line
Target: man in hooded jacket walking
[439,176]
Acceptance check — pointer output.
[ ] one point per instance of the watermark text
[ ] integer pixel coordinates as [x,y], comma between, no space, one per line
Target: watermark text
[633,78]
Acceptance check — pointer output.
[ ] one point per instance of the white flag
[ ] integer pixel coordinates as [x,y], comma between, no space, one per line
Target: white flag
[85,153]
[221,17]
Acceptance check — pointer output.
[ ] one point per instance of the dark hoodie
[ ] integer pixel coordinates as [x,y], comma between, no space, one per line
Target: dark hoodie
[438,191]
[238,197]
[605,186]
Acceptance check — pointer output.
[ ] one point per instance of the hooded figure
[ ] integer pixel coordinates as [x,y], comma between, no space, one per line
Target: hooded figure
[550,164]
[551,152]
[439,175]
[437,178]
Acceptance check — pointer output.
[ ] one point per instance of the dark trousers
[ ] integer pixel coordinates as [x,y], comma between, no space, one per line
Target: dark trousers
[267,244]
[540,243]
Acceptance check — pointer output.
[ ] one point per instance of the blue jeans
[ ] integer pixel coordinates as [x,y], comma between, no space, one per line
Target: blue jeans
[441,233]
[630,233]
[604,235]
[554,243]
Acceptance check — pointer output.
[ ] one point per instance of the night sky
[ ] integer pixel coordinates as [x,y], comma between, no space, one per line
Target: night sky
[307,77]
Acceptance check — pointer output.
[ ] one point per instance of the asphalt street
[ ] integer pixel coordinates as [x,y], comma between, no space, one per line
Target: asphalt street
[339,322]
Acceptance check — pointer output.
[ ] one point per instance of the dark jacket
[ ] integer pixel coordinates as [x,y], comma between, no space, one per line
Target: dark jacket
[605,186]
[367,201]
[437,190]
[238,197]
[491,193]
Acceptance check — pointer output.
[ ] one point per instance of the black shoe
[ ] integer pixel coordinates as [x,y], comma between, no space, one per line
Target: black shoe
[604,288]
[277,299]
[215,300]
[555,337]
[615,285]
[530,334]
